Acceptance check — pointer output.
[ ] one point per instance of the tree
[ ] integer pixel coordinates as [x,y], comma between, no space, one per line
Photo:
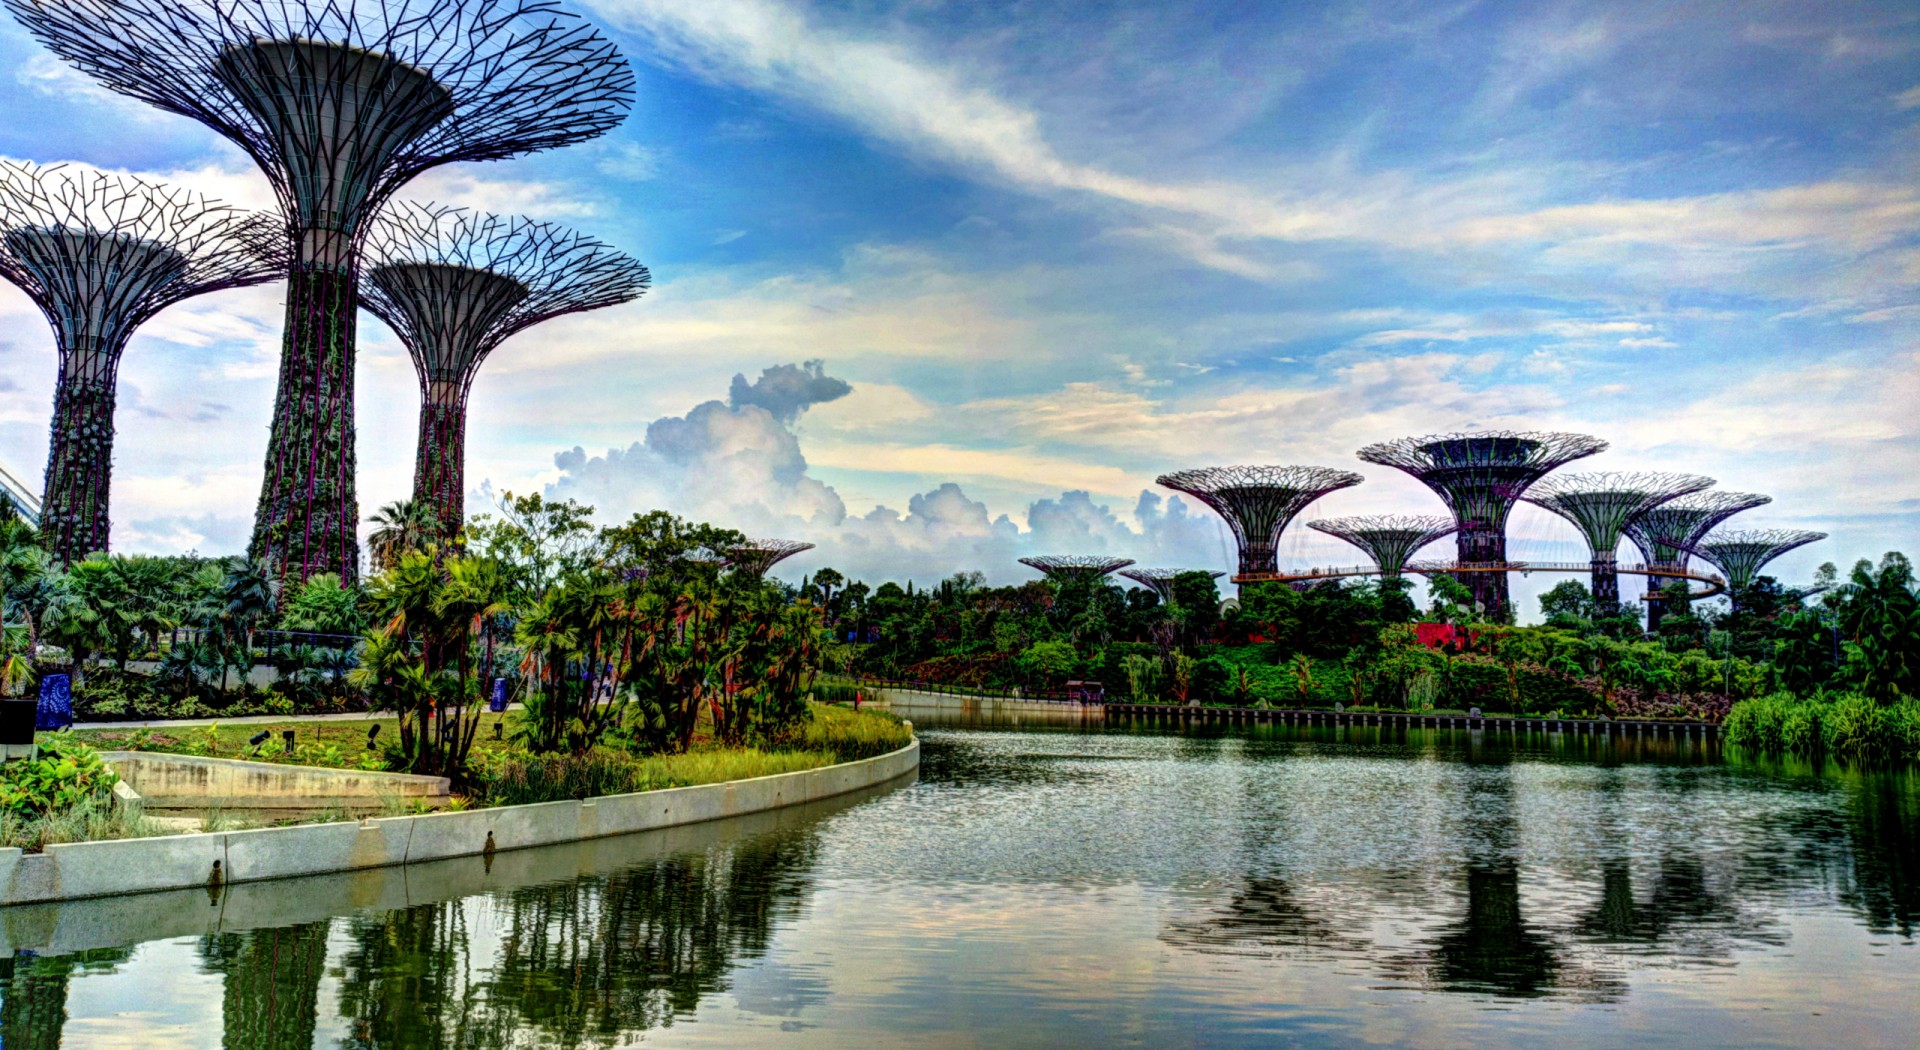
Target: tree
[1048,663]
[1568,605]
[400,528]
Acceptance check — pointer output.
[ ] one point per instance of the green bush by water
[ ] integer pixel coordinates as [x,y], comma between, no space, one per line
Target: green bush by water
[519,778]
[1847,725]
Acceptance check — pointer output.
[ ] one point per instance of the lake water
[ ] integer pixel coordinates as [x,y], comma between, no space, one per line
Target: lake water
[1083,886]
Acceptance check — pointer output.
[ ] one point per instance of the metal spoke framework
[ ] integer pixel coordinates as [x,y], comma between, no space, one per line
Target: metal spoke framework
[1258,502]
[1480,476]
[1741,554]
[340,103]
[1058,567]
[756,556]
[454,285]
[100,254]
[1160,581]
[1600,506]
[1389,539]
[1666,533]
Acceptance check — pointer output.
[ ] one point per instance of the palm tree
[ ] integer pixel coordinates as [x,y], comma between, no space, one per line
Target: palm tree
[401,527]
[248,596]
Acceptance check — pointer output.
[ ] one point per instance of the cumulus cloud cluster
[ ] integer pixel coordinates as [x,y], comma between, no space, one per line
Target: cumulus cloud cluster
[739,463]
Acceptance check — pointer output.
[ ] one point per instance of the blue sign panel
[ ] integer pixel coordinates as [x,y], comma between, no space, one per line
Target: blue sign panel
[56,702]
[499,701]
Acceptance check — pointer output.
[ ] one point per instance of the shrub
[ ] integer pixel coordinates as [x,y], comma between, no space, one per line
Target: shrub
[518,778]
[64,774]
[845,734]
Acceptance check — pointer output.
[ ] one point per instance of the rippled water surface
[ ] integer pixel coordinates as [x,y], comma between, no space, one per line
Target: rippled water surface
[1057,886]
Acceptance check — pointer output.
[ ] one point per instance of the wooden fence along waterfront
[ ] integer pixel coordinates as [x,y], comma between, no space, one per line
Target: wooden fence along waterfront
[1414,719]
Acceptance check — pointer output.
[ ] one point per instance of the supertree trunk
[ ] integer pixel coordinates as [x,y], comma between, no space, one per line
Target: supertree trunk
[308,518]
[1259,558]
[440,462]
[1656,603]
[1485,545]
[74,518]
[1606,586]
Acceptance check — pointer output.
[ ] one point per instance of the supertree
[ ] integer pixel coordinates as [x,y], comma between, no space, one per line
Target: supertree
[1062,567]
[1667,532]
[1741,554]
[454,285]
[100,254]
[1160,581]
[1480,476]
[1600,506]
[756,556]
[1389,539]
[340,103]
[1258,502]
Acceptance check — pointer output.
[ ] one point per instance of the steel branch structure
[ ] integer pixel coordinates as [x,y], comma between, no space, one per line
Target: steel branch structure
[1667,533]
[1063,567]
[100,254]
[1258,502]
[1741,554]
[454,285]
[756,556]
[1480,476]
[341,102]
[1160,581]
[1389,539]
[1600,506]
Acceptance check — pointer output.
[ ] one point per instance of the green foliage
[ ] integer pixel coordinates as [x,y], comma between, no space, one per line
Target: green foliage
[518,778]
[1848,725]
[1048,663]
[64,773]
[845,734]
[323,605]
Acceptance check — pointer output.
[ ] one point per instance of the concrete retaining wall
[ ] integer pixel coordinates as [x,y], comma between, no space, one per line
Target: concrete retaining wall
[99,869]
[195,783]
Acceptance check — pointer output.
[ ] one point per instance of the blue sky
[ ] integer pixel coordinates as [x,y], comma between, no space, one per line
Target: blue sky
[1062,247]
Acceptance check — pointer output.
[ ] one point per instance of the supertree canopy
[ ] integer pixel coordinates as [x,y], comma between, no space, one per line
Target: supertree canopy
[1600,506]
[100,254]
[1160,581]
[1480,476]
[1058,567]
[1666,532]
[1258,502]
[1741,554]
[340,103]
[756,556]
[454,285]
[1389,539]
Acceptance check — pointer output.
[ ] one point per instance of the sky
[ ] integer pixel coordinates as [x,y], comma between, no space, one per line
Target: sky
[938,285]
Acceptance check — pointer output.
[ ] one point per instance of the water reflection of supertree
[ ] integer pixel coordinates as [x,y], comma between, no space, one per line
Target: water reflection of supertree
[33,994]
[1265,915]
[272,979]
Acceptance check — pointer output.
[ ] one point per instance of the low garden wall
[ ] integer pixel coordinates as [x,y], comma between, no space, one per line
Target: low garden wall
[912,698]
[192,783]
[99,869]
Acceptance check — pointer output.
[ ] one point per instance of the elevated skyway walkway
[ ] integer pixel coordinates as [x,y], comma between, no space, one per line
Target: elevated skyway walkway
[19,496]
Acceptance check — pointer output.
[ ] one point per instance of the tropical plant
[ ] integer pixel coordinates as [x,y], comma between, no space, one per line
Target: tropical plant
[400,528]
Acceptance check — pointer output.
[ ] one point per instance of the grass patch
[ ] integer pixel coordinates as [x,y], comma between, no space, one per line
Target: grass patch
[513,780]
[334,743]
[848,734]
